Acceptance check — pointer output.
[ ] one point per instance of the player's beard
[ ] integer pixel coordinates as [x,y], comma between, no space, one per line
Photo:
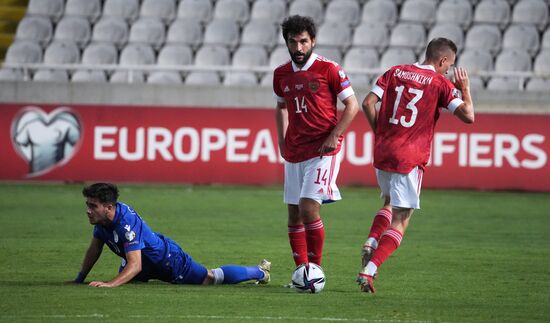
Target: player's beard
[302,61]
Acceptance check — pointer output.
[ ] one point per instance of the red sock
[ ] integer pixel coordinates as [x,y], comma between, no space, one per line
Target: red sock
[380,224]
[390,240]
[297,238]
[315,236]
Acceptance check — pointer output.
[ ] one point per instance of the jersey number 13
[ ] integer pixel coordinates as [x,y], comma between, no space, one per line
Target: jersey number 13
[410,106]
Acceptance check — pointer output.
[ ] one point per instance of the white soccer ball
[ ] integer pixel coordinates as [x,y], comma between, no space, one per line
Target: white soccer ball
[308,278]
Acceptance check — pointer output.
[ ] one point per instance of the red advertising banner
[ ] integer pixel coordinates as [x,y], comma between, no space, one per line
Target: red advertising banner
[239,146]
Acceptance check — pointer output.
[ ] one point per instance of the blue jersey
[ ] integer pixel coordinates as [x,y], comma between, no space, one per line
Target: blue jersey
[161,257]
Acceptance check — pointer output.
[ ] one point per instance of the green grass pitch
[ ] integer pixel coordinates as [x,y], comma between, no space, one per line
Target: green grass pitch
[468,257]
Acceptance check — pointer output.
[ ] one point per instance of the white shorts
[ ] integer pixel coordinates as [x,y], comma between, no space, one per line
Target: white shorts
[403,189]
[314,178]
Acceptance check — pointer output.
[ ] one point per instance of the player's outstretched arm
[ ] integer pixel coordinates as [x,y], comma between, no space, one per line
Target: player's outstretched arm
[369,108]
[132,268]
[281,119]
[465,111]
[350,110]
[90,258]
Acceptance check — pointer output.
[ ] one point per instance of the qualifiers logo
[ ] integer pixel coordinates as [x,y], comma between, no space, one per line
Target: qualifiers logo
[45,140]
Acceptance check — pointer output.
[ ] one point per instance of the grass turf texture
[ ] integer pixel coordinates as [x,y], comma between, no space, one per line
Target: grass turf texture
[468,256]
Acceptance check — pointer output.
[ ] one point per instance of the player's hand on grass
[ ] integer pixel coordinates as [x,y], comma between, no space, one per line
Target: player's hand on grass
[99,284]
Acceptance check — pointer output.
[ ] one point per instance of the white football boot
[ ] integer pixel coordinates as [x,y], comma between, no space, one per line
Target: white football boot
[265,267]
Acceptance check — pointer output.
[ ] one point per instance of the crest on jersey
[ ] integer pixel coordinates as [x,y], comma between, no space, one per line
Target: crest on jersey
[45,140]
[314,85]
[342,74]
[456,93]
[130,235]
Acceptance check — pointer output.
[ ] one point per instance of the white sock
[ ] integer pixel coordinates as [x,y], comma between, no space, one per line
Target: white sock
[371,268]
[218,276]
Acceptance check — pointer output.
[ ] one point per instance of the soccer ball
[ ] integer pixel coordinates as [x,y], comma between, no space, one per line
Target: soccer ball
[308,278]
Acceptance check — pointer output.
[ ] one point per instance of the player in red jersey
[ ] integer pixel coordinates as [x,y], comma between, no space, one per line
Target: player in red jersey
[309,134]
[412,96]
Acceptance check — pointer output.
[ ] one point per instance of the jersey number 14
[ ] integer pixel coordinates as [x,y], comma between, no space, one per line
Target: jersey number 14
[410,106]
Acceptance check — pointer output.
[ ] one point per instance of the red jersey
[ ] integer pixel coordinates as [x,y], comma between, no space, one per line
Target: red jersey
[310,95]
[411,98]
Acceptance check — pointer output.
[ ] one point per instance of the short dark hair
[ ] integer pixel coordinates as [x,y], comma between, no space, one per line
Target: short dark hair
[296,24]
[104,192]
[438,47]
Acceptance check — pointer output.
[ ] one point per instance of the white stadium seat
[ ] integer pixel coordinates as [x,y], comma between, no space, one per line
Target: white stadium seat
[279,56]
[343,11]
[147,30]
[24,51]
[240,79]
[197,9]
[331,53]
[371,35]
[513,60]
[361,58]
[334,34]
[505,84]
[533,12]
[100,54]
[522,37]
[268,10]
[127,9]
[418,12]
[496,12]
[455,11]
[137,54]
[484,36]
[47,75]
[89,76]
[311,8]
[257,32]
[249,56]
[52,9]
[397,56]
[450,31]
[113,30]
[35,28]
[165,77]
[209,55]
[203,78]
[267,80]
[545,43]
[89,9]
[185,31]
[474,60]
[165,10]
[380,12]
[175,54]
[408,35]
[222,32]
[10,74]
[62,52]
[127,77]
[74,29]
[542,63]
[236,10]
[538,84]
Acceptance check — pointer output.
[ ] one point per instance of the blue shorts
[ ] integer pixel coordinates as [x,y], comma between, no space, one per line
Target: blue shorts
[185,270]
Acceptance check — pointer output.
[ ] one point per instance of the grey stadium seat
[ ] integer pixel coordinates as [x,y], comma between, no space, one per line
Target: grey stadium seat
[113,30]
[330,53]
[531,12]
[127,9]
[100,54]
[513,60]
[209,55]
[137,54]
[148,31]
[240,79]
[222,32]
[257,32]
[24,51]
[236,10]
[186,31]
[361,58]
[380,11]
[10,74]
[62,52]
[47,75]
[175,54]
[89,76]
[279,56]
[74,29]
[35,28]
[522,37]
[165,77]
[419,12]
[476,83]
[268,10]
[484,36]
[542,63]
[267,80]
[505,84]
[249,56]
[127,77]
[311,8]
[496,12]
[545,43]
[52,9]
[165,10]
[397,56]
[450,31]
[196,9]
[372,35]
[408,35]
[203,78]
[474,60]
[455,11]
[538,84]
[343,11]
[334,34]
[89,9]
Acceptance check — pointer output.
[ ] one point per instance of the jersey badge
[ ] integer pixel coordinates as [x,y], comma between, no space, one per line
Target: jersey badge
[456,93]
[342,74]
[130,235]
[298,87]
[314,85]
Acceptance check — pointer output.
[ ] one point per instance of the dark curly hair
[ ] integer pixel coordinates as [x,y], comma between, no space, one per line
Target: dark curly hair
[104,192]
[296,24]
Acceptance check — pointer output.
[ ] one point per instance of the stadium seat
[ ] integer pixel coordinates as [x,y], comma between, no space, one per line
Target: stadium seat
[361,58]
[195,9]
[485,37]
[222,32]
[359,80]
[311,8]
[35,28]
[165,77]
[48,75]
[165,10]
[522,37]
[113,30]
[496,12]
[127,77]
[203,78]
[127,9]
[89,9]
[10,74]
[513,60]
[236,10]
[100,54]
[373,35]
[380,12]
[74,29]
[418,12]
[52,9]
[455,11]
[137,54]
[249,56]
[240,79]
[343,11]
[258,32]
[408,35]
[475,60]
[89,76]
[279,56]
[267,80]
[24,51]
[542,62]
[268,11]
[531,12]
[334,34]
[538,84]
[175,54]
[499,83]
[397,56]
[476,83]
[545,43]
[185,31]
[62,52]
[209,55]
[148,31]
[330,53]
[450,31]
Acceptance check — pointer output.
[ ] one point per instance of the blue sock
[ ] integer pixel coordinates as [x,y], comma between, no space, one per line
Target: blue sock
[237,274]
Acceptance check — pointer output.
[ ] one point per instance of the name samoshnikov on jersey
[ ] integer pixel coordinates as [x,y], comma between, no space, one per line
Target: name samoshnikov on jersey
[412,76]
